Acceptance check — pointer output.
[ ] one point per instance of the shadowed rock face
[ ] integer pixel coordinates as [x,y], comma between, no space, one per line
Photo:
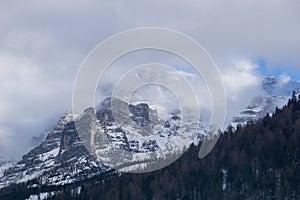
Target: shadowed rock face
[140,114]
[104,110]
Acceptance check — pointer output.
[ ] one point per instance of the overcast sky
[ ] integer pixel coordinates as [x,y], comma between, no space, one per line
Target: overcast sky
[43,43]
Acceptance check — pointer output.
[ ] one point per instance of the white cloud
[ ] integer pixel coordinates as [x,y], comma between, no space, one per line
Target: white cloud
[239,77]
[242,82]
[284,78]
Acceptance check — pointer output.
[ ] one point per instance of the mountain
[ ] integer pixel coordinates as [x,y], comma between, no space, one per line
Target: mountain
[59,159]
[141,137]
[66,156]
[62,158]
[260,160]
[275,94]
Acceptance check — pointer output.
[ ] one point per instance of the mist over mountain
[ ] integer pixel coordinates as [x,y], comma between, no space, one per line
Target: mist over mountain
[62,159]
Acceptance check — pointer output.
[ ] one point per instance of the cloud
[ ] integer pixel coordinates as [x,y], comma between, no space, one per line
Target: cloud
[238,77]
[29,101]
[242,81]
[42,45]
[284,78]
[267,29]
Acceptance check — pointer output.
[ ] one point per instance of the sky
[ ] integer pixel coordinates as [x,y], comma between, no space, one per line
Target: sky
[43,43]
